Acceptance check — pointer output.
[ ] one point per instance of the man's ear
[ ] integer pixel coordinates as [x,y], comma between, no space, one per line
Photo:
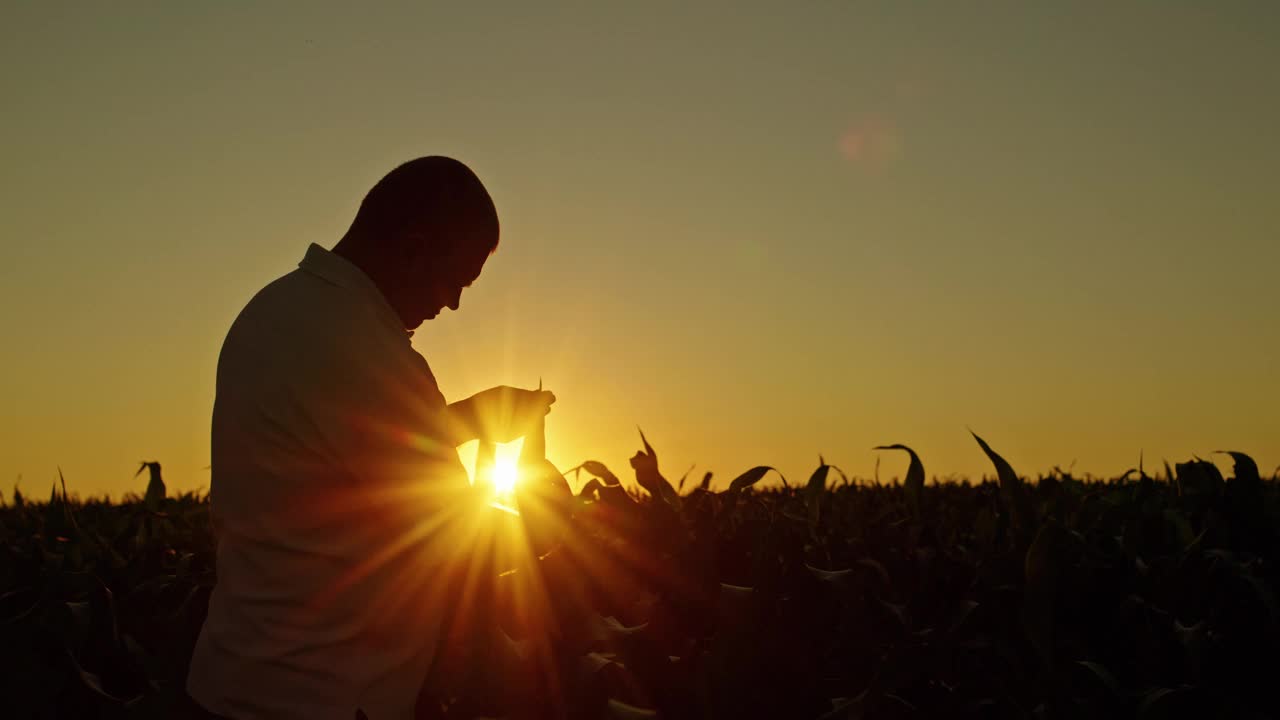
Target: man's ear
[416,257]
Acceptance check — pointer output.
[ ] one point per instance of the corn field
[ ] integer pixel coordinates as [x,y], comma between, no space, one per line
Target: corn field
[1048,597]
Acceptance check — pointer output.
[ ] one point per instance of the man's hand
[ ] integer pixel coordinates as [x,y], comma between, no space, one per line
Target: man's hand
[500,414]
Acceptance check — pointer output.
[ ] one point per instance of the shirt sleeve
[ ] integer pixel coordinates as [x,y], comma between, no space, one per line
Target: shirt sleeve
[379,412]
[378,421]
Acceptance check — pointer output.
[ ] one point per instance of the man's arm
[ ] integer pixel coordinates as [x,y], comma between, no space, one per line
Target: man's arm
[499,414]
[460,422]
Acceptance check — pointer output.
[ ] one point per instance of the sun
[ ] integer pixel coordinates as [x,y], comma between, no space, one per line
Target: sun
[496,469]
[505,475]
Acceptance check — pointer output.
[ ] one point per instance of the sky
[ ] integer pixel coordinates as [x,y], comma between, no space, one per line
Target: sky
[758,231]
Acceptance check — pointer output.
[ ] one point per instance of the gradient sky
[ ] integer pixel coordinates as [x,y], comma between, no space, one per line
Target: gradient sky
[759,231]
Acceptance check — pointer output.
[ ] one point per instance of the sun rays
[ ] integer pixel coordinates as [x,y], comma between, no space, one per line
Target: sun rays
[504,476]
[499,473]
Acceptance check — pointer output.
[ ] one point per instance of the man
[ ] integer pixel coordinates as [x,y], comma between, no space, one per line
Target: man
[336,489]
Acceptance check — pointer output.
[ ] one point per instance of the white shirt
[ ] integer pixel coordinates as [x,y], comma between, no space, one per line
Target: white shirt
[330,482]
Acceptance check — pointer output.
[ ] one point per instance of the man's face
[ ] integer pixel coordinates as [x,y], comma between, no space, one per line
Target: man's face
[436,284]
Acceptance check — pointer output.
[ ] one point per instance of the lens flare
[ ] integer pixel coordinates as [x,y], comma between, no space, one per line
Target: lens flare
[497,469]
[505,476]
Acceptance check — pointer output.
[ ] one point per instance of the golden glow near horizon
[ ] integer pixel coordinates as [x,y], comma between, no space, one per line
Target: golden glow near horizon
[758,232]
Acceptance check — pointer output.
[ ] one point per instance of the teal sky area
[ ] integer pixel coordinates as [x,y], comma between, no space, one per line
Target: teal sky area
[759,231]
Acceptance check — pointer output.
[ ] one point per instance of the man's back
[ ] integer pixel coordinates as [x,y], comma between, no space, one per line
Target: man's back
[329,482]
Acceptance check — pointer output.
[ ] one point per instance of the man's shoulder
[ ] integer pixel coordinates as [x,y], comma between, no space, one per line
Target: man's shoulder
[298,299]
[287,292]
[280,313]
[301,316]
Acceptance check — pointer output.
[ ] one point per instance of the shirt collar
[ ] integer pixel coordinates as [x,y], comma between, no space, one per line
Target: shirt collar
[334,268]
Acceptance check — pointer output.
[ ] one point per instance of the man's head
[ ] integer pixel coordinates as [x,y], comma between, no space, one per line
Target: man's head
[423,234]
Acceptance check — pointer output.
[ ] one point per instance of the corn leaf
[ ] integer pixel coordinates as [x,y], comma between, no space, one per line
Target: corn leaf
[751,477]
[913,486]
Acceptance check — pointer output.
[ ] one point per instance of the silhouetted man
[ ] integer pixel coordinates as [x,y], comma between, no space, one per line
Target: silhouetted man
[335,475]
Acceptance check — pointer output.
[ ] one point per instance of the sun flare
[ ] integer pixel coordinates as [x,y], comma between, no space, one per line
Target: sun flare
[505,476]
[499,471]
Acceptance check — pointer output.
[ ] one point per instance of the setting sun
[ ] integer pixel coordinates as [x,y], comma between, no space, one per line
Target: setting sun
[501,472]
[505,475]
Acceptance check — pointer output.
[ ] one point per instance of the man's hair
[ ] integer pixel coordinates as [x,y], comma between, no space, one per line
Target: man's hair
[437,195]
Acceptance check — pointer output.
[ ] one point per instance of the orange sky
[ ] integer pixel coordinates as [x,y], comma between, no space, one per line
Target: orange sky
[759,232]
